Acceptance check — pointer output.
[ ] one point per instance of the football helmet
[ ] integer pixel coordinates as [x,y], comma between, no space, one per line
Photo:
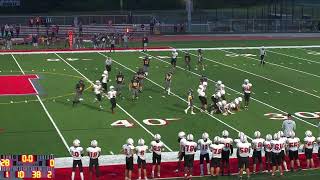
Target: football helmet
[219,82]
[268,137]
[276,136]
[243,138]
[257,134]
[292,134]
[111,87]
[130,141]
[190,137]
[246,81]
[240,99]
[141,142]
[281,134]
[240,134]
[105,72]
[181,134]
[76,142]
[216,139]
[225,133]
[97,82]
[224,102]
[308,133]
[205,135]
[157,137]
[94,143]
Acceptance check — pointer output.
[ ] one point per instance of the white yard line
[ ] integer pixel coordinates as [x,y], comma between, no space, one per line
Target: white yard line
[46,111]
[266,104]
[295,57]
[143,127]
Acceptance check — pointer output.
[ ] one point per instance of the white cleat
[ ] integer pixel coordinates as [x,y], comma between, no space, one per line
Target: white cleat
[193,113]
[185,111]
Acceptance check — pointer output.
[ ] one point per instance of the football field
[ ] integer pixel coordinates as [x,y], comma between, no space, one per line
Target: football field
[47,123]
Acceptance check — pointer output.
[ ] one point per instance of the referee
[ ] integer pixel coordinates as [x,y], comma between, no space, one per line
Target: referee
[288,125]
[108,63]
[262,55]
[112,94]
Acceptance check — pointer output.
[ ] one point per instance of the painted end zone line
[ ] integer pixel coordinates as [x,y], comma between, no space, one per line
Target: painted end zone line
[117,103]
[45,109]
[178,97]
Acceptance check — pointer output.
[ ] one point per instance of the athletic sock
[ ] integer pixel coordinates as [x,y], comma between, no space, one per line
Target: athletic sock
[81,176]
[72,175]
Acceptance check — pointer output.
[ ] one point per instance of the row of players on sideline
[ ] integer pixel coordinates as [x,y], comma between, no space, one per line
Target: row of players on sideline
[275,147]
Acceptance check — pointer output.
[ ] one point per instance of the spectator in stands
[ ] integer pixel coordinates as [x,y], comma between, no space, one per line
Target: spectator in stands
[17,30]
[35,40]
[175,28]
[2,30]
[80,28]
[182,27]
[31,22]
[151,27]
[125,41]
[6,30]
[56,30]
[145,42]
[11,29]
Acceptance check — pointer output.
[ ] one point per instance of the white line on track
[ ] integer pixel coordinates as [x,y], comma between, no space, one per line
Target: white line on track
[46,111]
[143,127]
[182,99]
[295,57]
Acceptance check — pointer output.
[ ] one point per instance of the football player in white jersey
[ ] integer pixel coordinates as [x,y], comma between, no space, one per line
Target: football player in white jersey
[190,148]
[238,102]
[283,138]
[174,59]
[293,146]
[202,97]
[97,89]
[309,141]
[141,150]
[262,55]
[104,80]
[112,95]
[216,150]
[257,145]
[181,153]
[267,149]
[226,151]
[203,146]
[244,152]
[246,88]
[76,152]
[318,141]
[94,152]
[276,144]
[156,149]
[128,151]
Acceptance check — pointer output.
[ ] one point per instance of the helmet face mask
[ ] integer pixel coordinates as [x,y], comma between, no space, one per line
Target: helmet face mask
[181,134]
[130,141]
[76,142]
[190,137]
[94,143]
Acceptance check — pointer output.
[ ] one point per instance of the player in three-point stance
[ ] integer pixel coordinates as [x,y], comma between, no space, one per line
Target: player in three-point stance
[293,146]
[276,144]
[94,152]
[203,146]
[76,152]
[187,61]
[190,148]
[226,151]
[190,102]
[216,150]
[257,145]
[267,149]
[156,149]
[112,95]
[309,141]
[79,91]
[141,150]
[167,82]
[244,152]
[200,60]
[119,83]
[181,153]
[97,89]
[174,59]
[262,56]
[128,150]
[246,87]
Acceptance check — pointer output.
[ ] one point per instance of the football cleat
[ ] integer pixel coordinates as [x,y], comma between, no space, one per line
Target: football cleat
[157,137]
[181,134]
[76,142]
[225,133]
[216,139]
[257,134]
[268,137]
[205,135]
[190,137]
[141,142]
[94,143]
[130,141]
[308,133]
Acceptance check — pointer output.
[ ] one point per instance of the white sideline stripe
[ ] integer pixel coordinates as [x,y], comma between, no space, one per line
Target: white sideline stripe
[117,103]
[274,64]
[177,95]
[295,57]
[46,111]
[240,92]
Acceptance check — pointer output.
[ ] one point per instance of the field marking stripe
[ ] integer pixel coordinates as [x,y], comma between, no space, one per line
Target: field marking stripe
[275,64]
[295,57]
[177,96]
[117,103]
[266,104]
[46,110]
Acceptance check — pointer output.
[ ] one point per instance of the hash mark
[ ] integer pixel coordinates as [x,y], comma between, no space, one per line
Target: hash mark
[278,92]
[266,92]
[291,92]
[315,91]
[150,97]
[111,153]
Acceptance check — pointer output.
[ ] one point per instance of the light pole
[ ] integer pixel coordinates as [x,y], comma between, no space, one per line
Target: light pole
[189,8]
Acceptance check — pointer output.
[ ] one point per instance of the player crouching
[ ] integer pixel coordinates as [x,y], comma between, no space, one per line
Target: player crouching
[257,148]
[203,145]
[190,102]
[190,148]
[156,149]
[293,145]
[141,153]
[216,150]
[128,151]
[94,152]
[76,152]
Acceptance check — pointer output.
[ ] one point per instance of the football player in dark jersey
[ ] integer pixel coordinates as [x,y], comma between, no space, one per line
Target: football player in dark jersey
[187,60]
[140,75]
[78,94]
[167,81]
[146,64]
[120,83]
[134,87]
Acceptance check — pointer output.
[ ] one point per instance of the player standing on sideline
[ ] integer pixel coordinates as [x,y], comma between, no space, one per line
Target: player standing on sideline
[145,42]
[134,87]
[244,153]
[97,89]
[112,94]
[108,64]
[146,64]
[156,149]
[288,125]
[283,139]
[167,82]
[202,98]
[318,141]
[128,150]
[226,151]
[246,88]
[79,91]
[104,80]
[267,151]
[181,141]
[187,61]
[262,55]
[203,146]
[141,150]
[308,148]
[94,152]
[76,152]
[293,146]
[190,148]
[112,44]
[216,150]
[190,102]
[200,60]
[120,83]
[276,154]
[174,59]
[257,144]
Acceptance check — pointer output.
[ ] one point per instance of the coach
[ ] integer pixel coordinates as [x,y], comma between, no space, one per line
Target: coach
[288,125]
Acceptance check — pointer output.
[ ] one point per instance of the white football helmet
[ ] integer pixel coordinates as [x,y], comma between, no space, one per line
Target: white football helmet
[292,134]
[268,137]
[224,102]
[216,139]
[205,135]
[182,134]
[240,134]
[205,83]
[225,133]
[246,81]
[76,142]
[141,142]
[218,95]
[240,99]
[243,138]
[308,133]
[236,101]
[174,50]
[94,143]
[276,136]
[318,139]
[98,82]
[190,137]
[111,87]
[232,105]
[105,72]
[201,87]
[157,137]
[130,141]
[219,103]
[281,134]
[257,134]
[219,82]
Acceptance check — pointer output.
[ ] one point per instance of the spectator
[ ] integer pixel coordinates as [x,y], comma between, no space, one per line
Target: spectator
[57,30]
[31,22]
[6,29]
[11,28]
[80,28]
[17,30]
[182,27]
[2,30]
[125,40]
[175,28]
[151,27]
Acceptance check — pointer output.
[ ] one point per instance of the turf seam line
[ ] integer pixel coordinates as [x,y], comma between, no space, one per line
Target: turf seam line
[46,110]
[117,103]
